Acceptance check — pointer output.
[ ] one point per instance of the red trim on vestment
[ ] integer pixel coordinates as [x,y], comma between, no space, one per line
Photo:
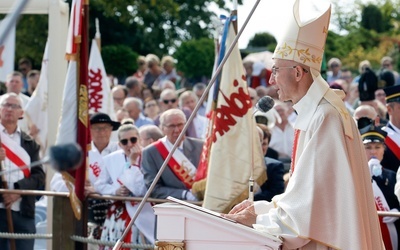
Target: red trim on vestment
[294,150]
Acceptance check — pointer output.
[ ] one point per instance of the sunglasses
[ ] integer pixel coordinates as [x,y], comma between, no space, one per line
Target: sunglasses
[125,141]
[169,101]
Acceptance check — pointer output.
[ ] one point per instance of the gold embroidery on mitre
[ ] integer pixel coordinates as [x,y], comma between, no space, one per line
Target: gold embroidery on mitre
[83,113]
[303,54]
[303,43]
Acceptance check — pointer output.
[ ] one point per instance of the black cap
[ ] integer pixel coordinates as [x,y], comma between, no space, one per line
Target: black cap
[372,133]
[392,93]
[103,118]
[386,79]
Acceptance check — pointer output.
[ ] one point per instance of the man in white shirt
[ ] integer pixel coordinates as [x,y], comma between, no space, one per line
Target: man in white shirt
[14,84]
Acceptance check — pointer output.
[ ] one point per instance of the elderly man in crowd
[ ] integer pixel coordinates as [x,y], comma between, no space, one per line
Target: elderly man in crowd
[178,177]
[17,147]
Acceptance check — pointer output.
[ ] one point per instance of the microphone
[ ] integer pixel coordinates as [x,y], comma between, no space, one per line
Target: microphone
[65,157]
[62,157]
[263,105]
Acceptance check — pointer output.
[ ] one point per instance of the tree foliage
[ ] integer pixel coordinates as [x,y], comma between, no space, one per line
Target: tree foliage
[196,58]
[370,37]
[371,18]
[31,36]
[154,26]
[265,40]
[164,26]
[119,60]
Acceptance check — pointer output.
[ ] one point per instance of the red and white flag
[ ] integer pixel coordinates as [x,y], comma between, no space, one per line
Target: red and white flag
[67,128]
[7,55]
[100,96]
[74,28]
[234,146]
[74,122]
[36,109]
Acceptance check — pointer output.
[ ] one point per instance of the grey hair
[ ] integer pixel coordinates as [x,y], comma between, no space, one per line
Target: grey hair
[11,94]
[137,101]
[185,95]
[151,131]
[171,112]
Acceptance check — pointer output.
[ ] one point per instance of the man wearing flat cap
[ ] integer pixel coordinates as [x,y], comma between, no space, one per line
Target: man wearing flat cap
[101,127]
[328,202]
[391,159]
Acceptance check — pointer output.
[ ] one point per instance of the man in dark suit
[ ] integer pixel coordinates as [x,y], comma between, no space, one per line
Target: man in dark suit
[17,142]
[177,178]
[391,159]
[275,170]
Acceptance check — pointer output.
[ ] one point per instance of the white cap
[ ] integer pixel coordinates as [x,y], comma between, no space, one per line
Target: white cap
[304,42]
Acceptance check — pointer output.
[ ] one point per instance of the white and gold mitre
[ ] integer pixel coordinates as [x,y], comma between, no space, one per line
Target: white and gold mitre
[304,43]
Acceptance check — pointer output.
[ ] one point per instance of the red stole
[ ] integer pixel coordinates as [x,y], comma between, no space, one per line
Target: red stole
[294,150]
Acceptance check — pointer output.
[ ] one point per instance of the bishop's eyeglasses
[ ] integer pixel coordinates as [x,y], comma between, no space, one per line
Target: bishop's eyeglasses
[275,69]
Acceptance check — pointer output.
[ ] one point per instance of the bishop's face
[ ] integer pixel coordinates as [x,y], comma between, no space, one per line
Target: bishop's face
[283,79]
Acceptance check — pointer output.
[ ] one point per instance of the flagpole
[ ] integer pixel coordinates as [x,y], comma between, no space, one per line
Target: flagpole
[82,118]
[119,243]
[97,36]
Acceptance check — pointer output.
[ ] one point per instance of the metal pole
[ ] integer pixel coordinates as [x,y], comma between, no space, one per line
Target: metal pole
[11,19]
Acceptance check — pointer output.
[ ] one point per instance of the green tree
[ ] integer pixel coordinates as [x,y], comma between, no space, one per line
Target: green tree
[362,38]
[31,36]
[155,26]
[265,40]
[261,40]
[371,18]
[119,60]
[196,58]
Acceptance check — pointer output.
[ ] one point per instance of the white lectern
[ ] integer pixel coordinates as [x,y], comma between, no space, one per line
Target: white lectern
[183,228]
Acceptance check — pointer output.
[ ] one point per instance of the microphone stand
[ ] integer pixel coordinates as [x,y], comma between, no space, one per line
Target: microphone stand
[119,243]
[45,160]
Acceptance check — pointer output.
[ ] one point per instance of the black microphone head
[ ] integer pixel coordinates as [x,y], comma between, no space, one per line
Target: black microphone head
[265,104]
[65,157]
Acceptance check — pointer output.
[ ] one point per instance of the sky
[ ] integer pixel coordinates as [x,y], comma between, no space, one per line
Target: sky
[269,15]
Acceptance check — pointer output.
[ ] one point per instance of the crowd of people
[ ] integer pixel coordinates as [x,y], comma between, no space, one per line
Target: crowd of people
[331,147]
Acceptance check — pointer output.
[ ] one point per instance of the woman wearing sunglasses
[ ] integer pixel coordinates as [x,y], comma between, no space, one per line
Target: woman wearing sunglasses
[121,175]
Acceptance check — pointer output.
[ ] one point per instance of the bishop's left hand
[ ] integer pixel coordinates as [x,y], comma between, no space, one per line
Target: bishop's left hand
[246,216]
